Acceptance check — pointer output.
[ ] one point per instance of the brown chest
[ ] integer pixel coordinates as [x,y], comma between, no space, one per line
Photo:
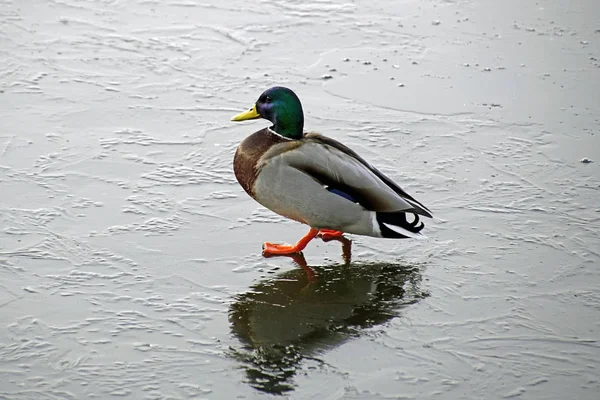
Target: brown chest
[249,152]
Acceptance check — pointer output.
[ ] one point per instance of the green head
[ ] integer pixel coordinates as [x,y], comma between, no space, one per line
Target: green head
[282,107]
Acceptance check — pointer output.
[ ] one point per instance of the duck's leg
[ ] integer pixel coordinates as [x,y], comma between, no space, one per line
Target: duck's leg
[328,234]
[272,248]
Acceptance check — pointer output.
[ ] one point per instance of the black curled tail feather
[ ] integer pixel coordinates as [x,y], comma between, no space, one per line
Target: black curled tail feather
[388,220]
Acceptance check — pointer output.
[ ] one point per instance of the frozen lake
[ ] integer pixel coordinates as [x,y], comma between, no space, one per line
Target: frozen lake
[130,258]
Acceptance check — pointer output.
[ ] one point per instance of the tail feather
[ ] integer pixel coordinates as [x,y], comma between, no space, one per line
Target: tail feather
[395,225]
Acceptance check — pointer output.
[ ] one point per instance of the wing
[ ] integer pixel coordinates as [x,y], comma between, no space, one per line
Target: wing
[340,169]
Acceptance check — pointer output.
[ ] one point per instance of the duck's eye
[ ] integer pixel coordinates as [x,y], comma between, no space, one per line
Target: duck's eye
[268,99]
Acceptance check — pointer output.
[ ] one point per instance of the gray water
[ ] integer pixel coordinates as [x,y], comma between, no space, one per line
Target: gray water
[130,261]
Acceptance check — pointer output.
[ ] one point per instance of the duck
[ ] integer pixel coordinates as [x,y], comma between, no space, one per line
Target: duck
[318,181]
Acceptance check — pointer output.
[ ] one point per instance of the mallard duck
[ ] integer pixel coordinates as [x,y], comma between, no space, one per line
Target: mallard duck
[316,180]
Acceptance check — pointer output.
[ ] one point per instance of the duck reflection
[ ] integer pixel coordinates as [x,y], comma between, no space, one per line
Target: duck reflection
[298,314]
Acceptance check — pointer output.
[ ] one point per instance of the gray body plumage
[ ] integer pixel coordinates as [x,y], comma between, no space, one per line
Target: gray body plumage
[294,178]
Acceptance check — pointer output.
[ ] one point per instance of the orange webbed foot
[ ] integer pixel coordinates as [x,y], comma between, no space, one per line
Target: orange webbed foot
[283,249]
[279,249]
[329,234]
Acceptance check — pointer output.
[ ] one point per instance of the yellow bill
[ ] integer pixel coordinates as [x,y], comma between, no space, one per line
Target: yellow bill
[250,114]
